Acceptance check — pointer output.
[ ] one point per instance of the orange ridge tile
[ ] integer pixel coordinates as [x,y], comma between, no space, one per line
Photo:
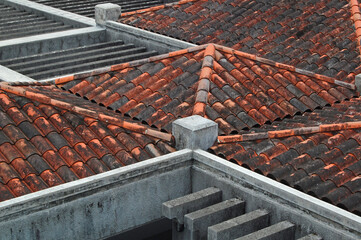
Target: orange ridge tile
[289,132]
[210,51]
[83,111]
[355,12]
[199,109]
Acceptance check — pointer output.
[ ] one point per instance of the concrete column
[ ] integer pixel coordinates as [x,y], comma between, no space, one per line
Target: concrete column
[194,132]
[107,12]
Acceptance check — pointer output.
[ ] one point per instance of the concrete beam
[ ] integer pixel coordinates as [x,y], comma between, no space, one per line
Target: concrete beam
[194,132]
[51,13]
[177,208]
[140,37]
[198,222]
[107,12]
[43,43]
[282,230]
[239,226]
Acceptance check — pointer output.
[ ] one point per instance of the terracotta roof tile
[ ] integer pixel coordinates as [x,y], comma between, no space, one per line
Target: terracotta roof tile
[231,82]
[55,141]
[321,39]
[325,165]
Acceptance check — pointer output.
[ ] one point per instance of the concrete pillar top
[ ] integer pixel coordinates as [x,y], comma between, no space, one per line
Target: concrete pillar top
[194,132]
[107,12]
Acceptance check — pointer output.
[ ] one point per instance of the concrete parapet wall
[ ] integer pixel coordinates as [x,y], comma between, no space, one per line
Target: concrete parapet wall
[123,199]
[99,206]
[43,43]
[152,41]
[51,13]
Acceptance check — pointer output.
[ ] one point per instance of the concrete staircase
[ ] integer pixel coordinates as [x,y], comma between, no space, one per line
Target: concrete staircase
[86,7]
[205,215]
[16,23]
[66,62]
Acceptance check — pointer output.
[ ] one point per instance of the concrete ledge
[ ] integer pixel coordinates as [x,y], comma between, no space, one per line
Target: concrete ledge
[42,43]
[51,13]
[76,189]
[8,75]
[152,41]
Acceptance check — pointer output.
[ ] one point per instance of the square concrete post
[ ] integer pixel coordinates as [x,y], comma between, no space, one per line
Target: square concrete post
[107,12]
[358,82]
[194,132]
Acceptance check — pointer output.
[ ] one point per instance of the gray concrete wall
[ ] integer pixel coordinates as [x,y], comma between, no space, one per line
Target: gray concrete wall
[43,43]
[123,199]
[310,214]
[99,206]
[51,13]
[152,41]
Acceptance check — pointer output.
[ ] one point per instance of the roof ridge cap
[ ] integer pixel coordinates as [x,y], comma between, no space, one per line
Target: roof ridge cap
[356,15]
[289,132]
[286,66]
[204,81]
[136,127]
[155,8]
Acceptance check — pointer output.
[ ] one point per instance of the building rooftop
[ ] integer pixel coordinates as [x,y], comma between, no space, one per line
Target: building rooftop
[81,111]
[251,96]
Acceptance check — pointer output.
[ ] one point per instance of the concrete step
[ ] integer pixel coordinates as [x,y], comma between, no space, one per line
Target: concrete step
[177,208]
[17,20]
[47,29]
[101,45]
[26,28]
[283,230]
[198,222]
[24,22]
[239,226]
[67,57]
[78,61]
[311,237]
[130,56]
[15,23]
